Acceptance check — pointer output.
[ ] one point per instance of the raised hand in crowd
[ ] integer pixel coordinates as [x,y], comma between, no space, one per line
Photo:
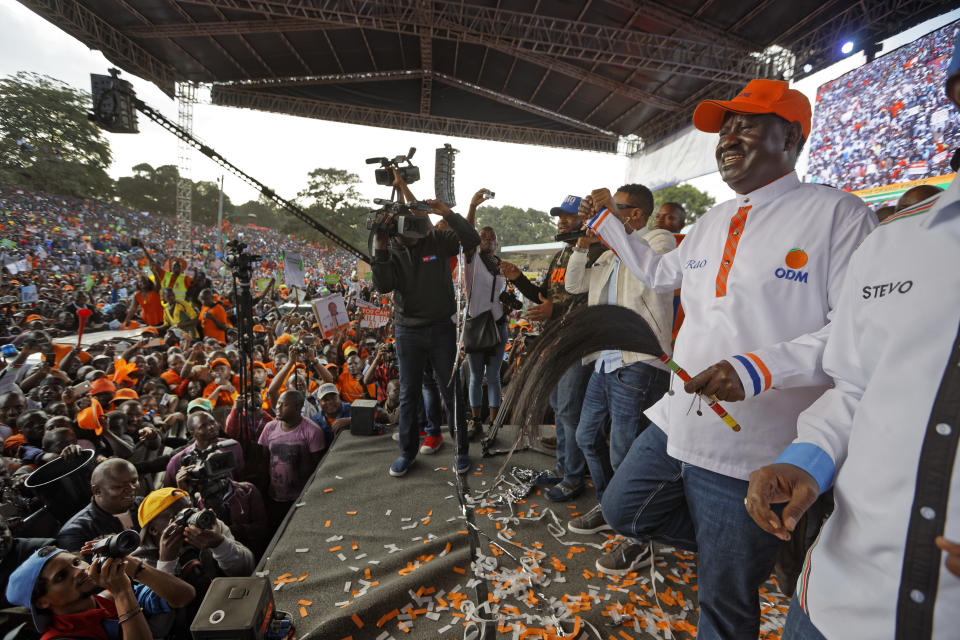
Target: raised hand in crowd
[509,270]
[540,312]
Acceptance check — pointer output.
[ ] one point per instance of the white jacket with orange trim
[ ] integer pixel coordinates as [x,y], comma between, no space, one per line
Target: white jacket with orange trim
[782,283]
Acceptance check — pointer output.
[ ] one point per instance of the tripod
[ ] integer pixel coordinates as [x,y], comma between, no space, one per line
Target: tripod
[242,265]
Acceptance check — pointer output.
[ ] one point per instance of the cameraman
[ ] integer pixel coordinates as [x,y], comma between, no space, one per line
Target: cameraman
[68,598]
[417,271]
[166,541]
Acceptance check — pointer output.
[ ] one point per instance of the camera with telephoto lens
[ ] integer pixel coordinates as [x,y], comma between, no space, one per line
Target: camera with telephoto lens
[193,517]
[408,173]
[118,545]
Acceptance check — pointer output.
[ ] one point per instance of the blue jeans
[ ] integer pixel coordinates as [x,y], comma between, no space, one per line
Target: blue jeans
[491,361]
[430,410]
[619,397]
[798,625]
[416,346]
[654,496]
[566,400]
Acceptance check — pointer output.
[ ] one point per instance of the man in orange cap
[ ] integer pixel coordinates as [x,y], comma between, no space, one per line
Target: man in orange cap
[761,274]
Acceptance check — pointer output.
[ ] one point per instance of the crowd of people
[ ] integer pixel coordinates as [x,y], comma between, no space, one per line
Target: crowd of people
[785,303]
[866,135]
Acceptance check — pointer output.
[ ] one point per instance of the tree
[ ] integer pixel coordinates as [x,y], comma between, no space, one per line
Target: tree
[332,189]
[46,140]
[694,201]
[516,226]
[150,189]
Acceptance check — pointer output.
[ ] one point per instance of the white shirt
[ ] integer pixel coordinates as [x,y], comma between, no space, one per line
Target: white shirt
[889,348]
[776,314]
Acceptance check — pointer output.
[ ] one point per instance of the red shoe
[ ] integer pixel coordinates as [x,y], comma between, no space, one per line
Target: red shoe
[431,444]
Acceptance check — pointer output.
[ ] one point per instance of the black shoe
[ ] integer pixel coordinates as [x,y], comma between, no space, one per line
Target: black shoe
[547,479]
[564,492]
[474,428]
[590,522]
[626,557]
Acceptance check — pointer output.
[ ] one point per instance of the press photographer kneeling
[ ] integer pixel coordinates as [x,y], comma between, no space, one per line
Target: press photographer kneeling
[412,260]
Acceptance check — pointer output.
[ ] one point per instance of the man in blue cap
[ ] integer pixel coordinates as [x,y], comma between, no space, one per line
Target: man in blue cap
[887,562]
[553,302]
[65,595]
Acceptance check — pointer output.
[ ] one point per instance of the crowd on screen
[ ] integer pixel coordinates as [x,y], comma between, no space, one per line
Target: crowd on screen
[868,134]
[762,301]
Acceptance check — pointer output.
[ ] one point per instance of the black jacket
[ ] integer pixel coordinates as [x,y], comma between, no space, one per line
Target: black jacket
[90,523]
[420,276]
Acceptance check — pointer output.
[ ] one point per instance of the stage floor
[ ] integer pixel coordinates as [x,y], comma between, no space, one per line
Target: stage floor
[366,555]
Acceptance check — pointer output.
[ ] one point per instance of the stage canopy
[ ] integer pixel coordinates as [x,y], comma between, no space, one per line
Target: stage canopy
[588,74]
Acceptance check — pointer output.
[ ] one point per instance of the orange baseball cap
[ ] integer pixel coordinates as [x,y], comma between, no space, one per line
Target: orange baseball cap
[259,328]
[126,394]
[102,385]
[758,97]
[218,361]
[34,316]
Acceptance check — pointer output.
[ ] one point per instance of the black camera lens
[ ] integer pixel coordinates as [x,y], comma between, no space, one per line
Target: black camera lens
[117,545]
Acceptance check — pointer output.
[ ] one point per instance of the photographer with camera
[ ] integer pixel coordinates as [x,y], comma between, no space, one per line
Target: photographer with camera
[208,471]
[485,310]
[112,509]
[188,542]
[415,267]
[69,598]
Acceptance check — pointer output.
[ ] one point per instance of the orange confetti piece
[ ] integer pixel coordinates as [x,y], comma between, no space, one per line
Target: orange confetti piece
[357,621]
[327,524]
[354,546]
[387,617]
[460,570]
[336,548]
[328,490]
[303,612]
[351,513]
[305,602]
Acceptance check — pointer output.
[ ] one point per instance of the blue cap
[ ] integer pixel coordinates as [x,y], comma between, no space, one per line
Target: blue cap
[21,583]
[571,204]
[953,70]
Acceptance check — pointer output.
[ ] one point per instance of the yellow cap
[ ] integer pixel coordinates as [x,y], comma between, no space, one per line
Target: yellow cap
[157,501]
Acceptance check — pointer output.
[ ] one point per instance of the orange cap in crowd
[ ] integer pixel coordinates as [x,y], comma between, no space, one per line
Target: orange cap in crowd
[126,394]
[758,97]
[102,385]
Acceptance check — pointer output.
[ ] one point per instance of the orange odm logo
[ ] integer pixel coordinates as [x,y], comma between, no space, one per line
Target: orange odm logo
[796,258]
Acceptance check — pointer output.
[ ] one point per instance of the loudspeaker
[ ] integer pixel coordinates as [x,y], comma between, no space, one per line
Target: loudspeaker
[361,417]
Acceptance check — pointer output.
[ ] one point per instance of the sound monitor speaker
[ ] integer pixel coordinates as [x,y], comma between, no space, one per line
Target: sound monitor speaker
[234,609]
[361,417]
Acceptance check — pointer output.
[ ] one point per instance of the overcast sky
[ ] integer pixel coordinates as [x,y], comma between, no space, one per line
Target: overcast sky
[280,150]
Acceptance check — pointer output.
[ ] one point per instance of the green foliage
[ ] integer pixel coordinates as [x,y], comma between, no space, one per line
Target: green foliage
[332,189]
[695,202]
[516,226]
[155,190]
[46,140]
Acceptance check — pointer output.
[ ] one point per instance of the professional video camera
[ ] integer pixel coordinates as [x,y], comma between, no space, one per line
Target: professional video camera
[242,263]
[117,545]
[397,219]
[408,173]
[193,517]
[208,474]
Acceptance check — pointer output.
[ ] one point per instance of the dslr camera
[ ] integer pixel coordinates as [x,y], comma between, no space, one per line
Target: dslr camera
[208,474]
[408,172]
[193,517]
[118,545]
